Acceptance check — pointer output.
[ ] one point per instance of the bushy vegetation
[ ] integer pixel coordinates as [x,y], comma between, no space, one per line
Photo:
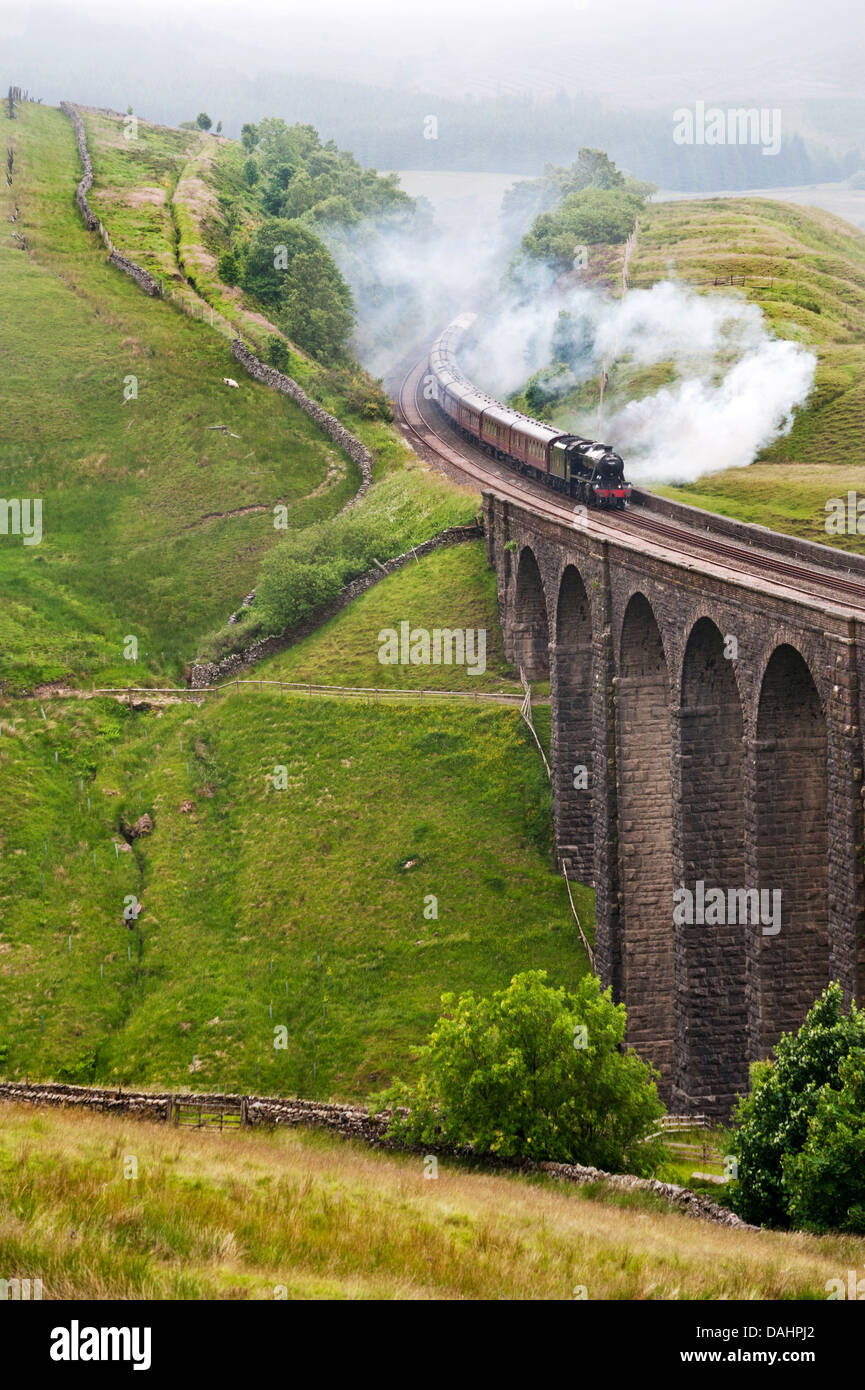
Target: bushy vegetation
[534,1072]
[311,566]
[799,1133]
[590,202]
[584,218]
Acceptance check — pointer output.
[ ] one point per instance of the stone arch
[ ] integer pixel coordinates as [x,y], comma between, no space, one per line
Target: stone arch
[645,836]
[571,688]
[530,628]
[711,1009]
[790,965]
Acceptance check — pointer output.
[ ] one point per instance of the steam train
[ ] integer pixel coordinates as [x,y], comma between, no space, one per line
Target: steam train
[592,473]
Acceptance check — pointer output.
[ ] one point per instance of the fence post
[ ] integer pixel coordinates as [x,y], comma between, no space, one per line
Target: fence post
[244,1110]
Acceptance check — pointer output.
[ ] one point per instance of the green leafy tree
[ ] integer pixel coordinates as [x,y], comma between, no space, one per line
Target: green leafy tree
[317,305]
[585,218]
[203,121]
[270,255]
[219,127]
[772,1123]
[534,1072]
[825,1183]
[249,136]
[251,172]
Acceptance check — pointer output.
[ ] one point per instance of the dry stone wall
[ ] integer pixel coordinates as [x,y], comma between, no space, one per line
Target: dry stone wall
[327,423]
[91,222]
[137,273]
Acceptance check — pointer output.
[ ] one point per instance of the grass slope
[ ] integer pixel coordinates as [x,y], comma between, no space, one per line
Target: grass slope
[301,907]
[290,1214]
[135,493]
[454,588]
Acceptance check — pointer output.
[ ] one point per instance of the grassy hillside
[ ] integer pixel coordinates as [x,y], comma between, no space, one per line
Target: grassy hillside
[289,1214]
[153,522]
[453,588]
[814,264]
[303,907]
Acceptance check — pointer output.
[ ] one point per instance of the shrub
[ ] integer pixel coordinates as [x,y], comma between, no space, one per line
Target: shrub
[590,216]
[825,1183]
[534,1073]
[772,1123]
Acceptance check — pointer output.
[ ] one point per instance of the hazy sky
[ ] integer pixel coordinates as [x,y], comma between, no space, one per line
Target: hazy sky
[631,52]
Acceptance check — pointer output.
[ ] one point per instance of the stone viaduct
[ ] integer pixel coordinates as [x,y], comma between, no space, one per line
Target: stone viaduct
[735,764]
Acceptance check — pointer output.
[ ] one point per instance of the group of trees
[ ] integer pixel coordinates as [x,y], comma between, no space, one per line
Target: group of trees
[589,202]
[799,1135]
[286,267]
[302,189]
[201,122]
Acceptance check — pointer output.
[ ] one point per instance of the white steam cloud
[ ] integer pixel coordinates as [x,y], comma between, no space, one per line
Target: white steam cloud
[727,388]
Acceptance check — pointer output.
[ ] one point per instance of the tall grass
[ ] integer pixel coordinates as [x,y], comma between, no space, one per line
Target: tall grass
[290,1214]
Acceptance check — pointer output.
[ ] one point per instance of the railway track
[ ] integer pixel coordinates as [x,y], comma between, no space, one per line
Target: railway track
[430,435]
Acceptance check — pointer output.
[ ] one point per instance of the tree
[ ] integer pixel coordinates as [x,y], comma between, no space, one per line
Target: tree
[203,121]
[317,305]
[590,216]
[270,254]
[534,1072]
[251,172]
[278,354]
[772,1123]
[249,136]
[219,127]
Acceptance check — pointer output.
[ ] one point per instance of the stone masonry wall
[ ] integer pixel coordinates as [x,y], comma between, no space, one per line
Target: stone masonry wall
[329,424]
[346,1121]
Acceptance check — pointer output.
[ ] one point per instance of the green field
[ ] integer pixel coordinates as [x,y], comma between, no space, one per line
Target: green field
[453,588]
[306,901]
[137,494]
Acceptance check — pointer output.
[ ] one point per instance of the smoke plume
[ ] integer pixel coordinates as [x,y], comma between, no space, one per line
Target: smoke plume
[723,389]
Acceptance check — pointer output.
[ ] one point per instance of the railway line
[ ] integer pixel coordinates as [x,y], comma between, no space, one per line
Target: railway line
[752,565]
